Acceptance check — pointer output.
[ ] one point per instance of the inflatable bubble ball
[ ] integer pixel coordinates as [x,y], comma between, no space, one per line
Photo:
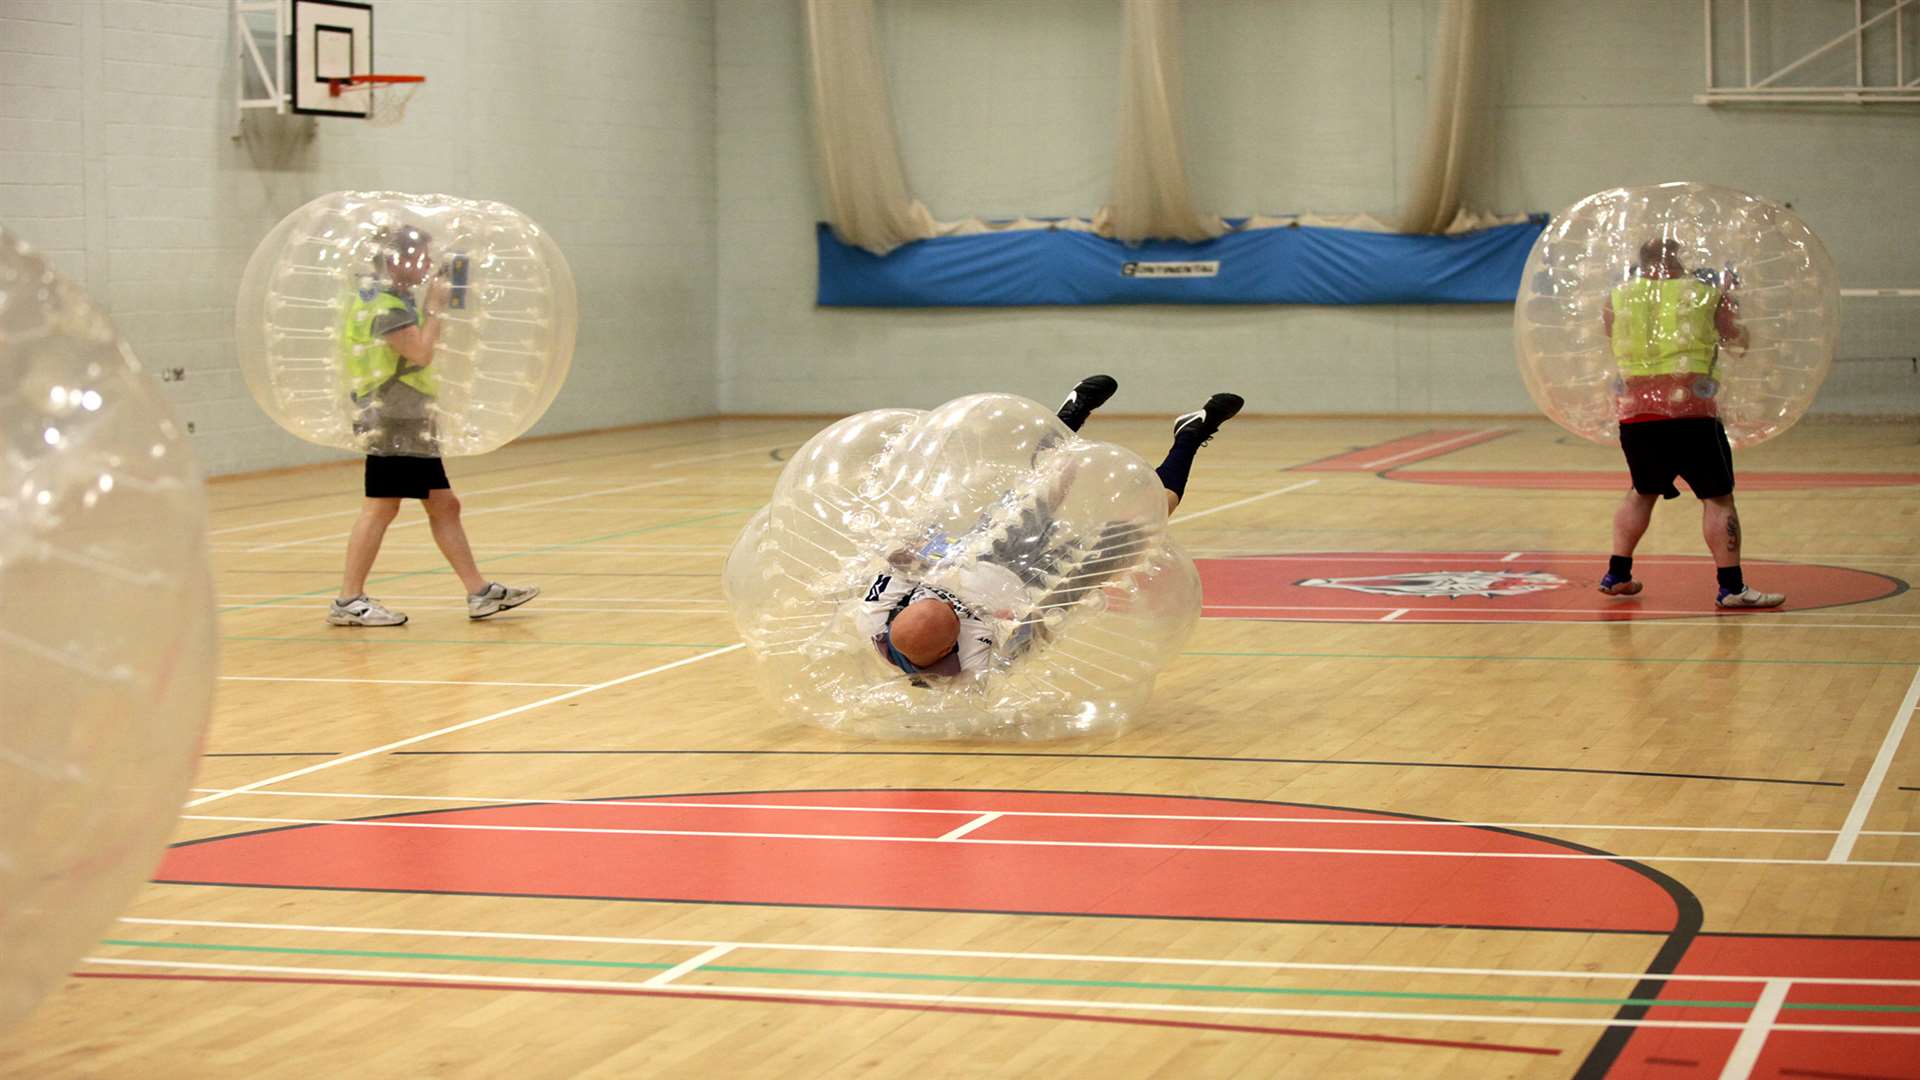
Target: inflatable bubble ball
[414,325]
[1673,301]
[106,626]
[973,572]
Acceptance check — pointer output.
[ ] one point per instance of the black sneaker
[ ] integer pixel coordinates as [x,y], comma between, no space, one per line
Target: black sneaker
[1093,392]
[1207,419]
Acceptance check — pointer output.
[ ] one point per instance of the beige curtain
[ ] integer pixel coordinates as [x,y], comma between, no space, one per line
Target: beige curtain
[868,202]
[1151,196]
[1454,75]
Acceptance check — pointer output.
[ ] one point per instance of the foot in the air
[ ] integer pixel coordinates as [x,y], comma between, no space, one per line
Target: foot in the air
[1619,586]
[1207,419]
[496,598]
[1749,597]
[1093,392]
[363,611]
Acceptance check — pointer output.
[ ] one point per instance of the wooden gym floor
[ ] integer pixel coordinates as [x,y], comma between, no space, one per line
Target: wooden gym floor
[1415,800]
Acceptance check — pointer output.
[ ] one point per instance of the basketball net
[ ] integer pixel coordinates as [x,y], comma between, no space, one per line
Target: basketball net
[386,99]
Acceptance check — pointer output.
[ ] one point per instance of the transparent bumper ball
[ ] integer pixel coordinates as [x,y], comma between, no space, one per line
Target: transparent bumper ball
[1055,548]
[411,325]
[1676,301]
[106,626]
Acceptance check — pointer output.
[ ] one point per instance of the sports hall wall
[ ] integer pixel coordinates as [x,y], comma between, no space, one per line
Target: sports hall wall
[596,119]
[1007,107]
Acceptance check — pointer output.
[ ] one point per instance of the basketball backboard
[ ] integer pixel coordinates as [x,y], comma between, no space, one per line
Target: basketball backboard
[332,39]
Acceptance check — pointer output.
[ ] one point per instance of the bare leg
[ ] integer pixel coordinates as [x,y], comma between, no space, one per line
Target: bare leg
[1173,503]
[1720,525]
[443,517]
[1630,521]
[363,544]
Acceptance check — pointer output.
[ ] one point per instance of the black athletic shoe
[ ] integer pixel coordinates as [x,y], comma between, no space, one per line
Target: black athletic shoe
[1093,392]
[1207,419]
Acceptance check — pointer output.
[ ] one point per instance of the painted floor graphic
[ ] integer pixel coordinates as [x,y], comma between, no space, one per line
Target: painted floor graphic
[1692,1003]
[1511,586]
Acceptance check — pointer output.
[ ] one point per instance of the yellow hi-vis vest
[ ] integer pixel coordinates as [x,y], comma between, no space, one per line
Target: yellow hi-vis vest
[366,358]
[1665,327]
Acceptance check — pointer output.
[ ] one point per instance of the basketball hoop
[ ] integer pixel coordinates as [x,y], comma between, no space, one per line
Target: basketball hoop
[386,95]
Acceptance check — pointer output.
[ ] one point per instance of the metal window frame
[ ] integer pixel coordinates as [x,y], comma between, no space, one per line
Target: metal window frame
[1767,89]
[273,76]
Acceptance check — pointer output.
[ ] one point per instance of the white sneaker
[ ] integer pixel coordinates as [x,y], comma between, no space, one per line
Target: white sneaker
[496,598]
[1750,598]
[362,611]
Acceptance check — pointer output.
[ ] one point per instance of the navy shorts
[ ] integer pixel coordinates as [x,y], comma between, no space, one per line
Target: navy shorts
[1694,448]
[404,477]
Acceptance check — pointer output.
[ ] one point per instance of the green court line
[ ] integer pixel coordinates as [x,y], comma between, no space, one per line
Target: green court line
[495,558]
[1104,984]
[390,640]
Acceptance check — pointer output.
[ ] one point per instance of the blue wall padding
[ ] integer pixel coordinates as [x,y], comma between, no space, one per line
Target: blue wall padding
[1302,265]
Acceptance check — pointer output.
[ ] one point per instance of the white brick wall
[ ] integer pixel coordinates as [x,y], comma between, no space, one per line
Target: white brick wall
[596,118]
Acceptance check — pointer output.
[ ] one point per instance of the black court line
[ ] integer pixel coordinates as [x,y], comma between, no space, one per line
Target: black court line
[1152,757]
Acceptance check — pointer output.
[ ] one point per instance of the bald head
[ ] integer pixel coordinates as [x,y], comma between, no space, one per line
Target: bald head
[925,631]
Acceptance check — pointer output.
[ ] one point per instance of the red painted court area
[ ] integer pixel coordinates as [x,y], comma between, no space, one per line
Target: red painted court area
[1682,1054]
[1466,586]
[1044,852]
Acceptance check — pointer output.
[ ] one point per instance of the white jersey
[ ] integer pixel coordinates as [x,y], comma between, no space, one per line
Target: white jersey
[989,592]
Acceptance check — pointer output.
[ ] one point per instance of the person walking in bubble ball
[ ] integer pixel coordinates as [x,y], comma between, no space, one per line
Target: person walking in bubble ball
[1667,328]
[387,346]
[925,630]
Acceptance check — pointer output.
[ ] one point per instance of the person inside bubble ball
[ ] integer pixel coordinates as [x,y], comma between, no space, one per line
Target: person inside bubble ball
[1667,328]
[386,354]
[925,630]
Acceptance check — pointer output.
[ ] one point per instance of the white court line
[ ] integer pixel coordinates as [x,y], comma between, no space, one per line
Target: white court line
[982,999]
[443,596]
[962,830]
[1877,775]
[980,954]
[1181,518]
[1511,555]
[423,519]
[390,682]
[685,804]
[1257,849]
[462,726]
[457,606]
[1753,1034]
[1394,614]
[725,454]
[1431,447]
[356,510]
[689,965]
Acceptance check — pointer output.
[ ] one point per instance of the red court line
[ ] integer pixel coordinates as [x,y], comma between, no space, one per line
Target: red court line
[1403,451]
[1617,481]
[1031,1014]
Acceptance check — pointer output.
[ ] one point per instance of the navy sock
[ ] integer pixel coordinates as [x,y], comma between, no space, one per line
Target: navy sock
[1620,567]
[1730,579]
[1179,463]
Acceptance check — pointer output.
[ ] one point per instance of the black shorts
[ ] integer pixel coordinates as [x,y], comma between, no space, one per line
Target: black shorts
[1693,448]
[404,477]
